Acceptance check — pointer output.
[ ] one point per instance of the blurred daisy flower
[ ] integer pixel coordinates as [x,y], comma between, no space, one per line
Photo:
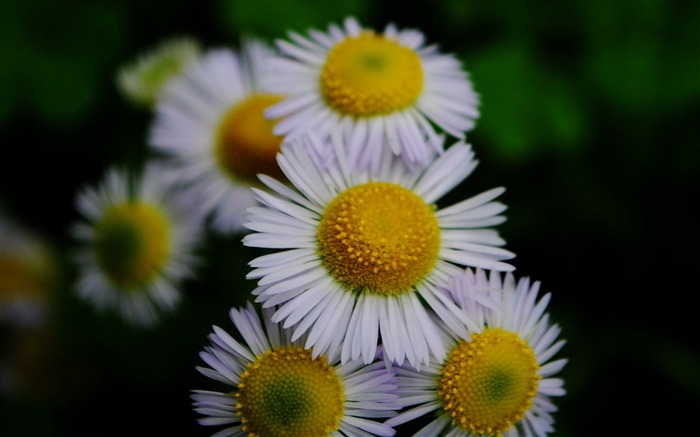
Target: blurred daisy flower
[358,257]
[141,80]
[28,270]
[138,243]
[210,121]
[499,379]
[277,388]
[374,89]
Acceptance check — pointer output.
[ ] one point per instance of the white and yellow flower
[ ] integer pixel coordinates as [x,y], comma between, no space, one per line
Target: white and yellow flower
[210,121]
[28,269]
[136,244]
[375,90]
[499,379]
[141,80]
[359,257]
[277,388]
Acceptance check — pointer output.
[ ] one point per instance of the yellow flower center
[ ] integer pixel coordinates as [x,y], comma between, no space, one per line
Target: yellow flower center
[369,74]
[21,278]
[379,237]
[245,144]
[286,393]
[488,384]
[132,243]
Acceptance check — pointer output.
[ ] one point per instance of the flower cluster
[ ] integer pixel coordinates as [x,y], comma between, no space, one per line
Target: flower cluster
[373,307]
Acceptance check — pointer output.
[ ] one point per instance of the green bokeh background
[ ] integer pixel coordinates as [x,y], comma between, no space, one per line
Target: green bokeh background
[590,113]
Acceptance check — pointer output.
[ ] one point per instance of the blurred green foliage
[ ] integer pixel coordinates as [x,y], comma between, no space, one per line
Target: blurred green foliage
[273,18]
[589,119]
[54,56]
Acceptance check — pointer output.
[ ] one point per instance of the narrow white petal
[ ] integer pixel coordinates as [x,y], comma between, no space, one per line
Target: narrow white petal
[412,414]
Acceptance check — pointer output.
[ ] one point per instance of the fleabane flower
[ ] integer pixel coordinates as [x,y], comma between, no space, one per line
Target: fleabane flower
[141,80]
[210,122]
[28,269]
[137,243]
[375,90]
[499,379]
[277,388]
[359,257]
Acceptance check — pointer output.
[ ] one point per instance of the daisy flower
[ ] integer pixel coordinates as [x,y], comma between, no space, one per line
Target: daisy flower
[137,243]
[498,380]
[358,256]
[276,388]
[209,120]
[28,269]
[141,80]
[374,89]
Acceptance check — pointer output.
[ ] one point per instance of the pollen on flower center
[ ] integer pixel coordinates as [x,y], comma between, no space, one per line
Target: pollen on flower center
[132,243]
[487,384]
[369,74]
[245,144]
[286,393]
[379,237]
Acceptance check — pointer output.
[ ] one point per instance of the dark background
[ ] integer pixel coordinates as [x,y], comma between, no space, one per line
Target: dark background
[589,119]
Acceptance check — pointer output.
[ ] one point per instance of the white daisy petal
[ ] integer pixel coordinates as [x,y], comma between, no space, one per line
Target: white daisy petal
[302,305]
[413,413]
[271,275]
[434,428]
[370,426]
[501,338]
[300,280]
[204,123]
[323,330]
[421,90]
[136,244]
[347,398]
[285,207]
[370,327]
